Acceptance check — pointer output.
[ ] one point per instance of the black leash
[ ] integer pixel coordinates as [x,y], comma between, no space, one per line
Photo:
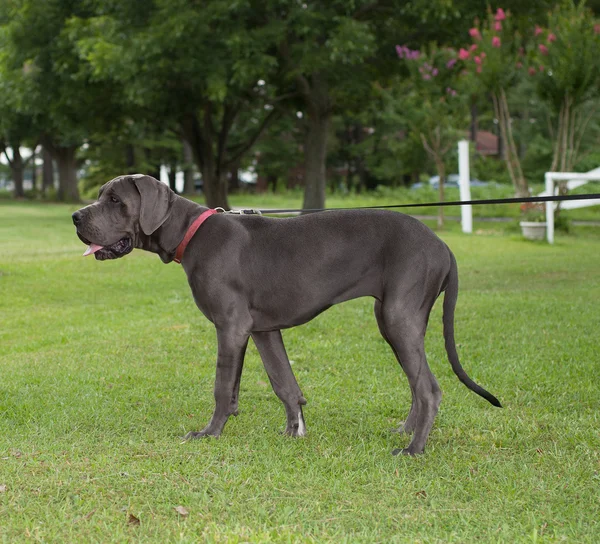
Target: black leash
[554,198]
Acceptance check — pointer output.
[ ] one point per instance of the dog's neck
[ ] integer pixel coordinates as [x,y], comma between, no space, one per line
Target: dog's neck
[167,237]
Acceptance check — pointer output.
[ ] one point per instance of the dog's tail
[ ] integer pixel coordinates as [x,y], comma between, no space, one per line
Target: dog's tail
[450,298]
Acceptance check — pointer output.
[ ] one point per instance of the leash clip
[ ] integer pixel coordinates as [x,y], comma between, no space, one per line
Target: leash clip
[250,211]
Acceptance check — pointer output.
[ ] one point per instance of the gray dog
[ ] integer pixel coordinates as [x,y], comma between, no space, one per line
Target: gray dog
[252,276]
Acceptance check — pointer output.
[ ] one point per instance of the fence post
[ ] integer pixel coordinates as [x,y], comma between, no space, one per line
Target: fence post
[549,209]
[464,184]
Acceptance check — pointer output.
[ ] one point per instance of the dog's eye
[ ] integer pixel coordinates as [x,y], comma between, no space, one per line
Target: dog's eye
[114,199]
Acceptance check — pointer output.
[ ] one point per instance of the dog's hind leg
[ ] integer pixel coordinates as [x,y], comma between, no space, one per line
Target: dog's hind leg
[276,362]
[404,324]
[407,426]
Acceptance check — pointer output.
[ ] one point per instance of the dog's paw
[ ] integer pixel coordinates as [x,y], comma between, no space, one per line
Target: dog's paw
[194,435]
[295,432]
[406,451]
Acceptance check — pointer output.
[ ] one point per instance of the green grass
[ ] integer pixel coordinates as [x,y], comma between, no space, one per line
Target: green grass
[105,365]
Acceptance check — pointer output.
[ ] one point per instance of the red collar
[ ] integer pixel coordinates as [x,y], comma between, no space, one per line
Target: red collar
[190,233]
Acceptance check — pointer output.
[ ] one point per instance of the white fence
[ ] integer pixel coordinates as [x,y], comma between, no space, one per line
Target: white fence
[573,180]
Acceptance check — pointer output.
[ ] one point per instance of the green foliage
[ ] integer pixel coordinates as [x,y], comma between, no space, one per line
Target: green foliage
[128,73]
[495,58]
[489,169]
[565,56]
[55,86]
[432,98]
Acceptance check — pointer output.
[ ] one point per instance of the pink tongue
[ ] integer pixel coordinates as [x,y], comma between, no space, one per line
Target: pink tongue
[92,248]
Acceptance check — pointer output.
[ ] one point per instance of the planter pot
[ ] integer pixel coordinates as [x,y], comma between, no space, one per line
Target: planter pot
[532,230]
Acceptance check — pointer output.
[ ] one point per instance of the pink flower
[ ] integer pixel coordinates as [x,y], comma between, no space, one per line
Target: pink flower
[450,63]
[497,26]
[541,68]
[483,55]
[472,48]
[551,37]
[477,60]
[531,71]
[434,72]
[519,65]
[500,15]
[543,49]
[538,30]
[463,54]
[426,76]
[406,53]
[478,69]
[474,33]
[496,41]
[597,28]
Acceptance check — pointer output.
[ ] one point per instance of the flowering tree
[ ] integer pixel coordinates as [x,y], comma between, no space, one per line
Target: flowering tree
[565,60]
[494,62]
[432,105]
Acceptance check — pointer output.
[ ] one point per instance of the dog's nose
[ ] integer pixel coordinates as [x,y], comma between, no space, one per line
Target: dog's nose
[76,218]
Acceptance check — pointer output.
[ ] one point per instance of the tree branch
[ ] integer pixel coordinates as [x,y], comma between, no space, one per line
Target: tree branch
[304,85]
[229,115]
[3,150]
[192,133]
[238,153]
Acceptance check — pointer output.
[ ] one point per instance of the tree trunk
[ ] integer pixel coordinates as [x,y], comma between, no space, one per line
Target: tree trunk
[33,158]
[47,170]
[315,150]
[233,181]
[437,150]
[68,191]
[16,168]
[201,140]
[361,170]
[215,189]
[153,164]
[474,124]
[442,174]
[512,157]
[315,145]
[188,169]
[172,175]
[130,159]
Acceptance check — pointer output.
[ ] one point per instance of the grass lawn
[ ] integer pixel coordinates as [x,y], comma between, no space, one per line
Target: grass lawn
[106,365]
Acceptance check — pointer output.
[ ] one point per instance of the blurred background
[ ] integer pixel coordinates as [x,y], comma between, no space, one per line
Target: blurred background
[220,97]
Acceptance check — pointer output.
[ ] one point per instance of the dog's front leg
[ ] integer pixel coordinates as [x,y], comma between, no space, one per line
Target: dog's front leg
[272,352]
[230,358]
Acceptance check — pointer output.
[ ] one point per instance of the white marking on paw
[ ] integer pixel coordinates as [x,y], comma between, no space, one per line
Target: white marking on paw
[301,426]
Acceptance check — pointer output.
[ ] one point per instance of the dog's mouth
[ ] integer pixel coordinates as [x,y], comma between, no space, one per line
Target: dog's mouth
[114,251]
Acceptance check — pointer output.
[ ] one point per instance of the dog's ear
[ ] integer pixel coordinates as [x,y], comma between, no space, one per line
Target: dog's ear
[155,205]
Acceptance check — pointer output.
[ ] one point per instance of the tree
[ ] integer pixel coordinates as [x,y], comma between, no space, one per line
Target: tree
[331,54]
[565,63]
[202,67]
[16,125]
[14,130]
[54,87]
[435,110]
[495,60]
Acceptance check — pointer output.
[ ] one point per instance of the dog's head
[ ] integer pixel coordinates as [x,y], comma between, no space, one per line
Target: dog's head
[128,208]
